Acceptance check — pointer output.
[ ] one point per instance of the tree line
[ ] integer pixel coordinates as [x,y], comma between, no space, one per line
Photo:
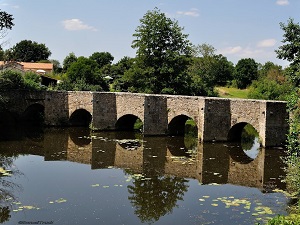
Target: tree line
[166,62]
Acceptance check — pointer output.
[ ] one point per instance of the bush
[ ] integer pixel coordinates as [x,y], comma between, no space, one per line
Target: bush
[292,219]
[269,89]
[10,79]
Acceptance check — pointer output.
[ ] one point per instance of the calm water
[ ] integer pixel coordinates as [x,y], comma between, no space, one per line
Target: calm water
[69,176]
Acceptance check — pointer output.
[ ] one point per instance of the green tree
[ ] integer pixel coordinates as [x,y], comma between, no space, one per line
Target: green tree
[266,68]
[30,51]
[246,71]
[269,89]
[163,53]
[6,20]
[290,50]
[85,75]
[10,79]
[71,58]
[56,66]
[272,84]
[83,68]
[102,58]
[208,70]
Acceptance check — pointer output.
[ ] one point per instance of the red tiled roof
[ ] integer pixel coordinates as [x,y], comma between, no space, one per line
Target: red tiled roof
[37,66]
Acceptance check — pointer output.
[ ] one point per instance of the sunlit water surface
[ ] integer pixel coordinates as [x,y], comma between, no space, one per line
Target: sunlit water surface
[70,176]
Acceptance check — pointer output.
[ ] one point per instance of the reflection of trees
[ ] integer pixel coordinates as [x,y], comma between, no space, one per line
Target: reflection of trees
[7,187]
[156,197]
[248,137]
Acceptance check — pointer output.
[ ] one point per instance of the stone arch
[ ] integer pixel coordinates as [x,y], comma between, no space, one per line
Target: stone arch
[80,118]
[177,125]
[235,132]
[127,122]
[34,114]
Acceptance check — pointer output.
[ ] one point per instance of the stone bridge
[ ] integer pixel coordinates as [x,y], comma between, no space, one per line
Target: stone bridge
[217,119]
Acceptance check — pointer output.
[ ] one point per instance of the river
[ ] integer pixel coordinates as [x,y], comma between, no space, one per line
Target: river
[74,176]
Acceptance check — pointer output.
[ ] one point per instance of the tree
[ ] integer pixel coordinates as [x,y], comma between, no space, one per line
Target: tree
[102,58]
[208,70]
[85,73]
[10,79]
[204,50]
[30,51]
[291,49]
[246,70]
[56,66]
[6,23]
[270,89]
[6,20]
[163,51]
[68,61]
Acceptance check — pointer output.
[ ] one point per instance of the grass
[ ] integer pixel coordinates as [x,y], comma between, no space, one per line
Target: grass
[230,92]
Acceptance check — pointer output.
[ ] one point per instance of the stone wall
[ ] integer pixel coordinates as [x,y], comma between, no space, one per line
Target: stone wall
[214,116]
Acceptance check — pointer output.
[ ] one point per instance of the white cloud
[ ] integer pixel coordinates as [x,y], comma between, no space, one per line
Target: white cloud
[231,50]
[282,2]
[266,43]
[8,5]
[259,54]
[193,12]
[76,24]
[244,52]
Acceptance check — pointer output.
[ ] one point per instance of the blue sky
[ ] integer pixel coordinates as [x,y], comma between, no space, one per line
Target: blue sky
[236,28]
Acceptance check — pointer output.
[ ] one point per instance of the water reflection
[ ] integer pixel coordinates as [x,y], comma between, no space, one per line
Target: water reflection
[160,167]
[8,187]
[155,196]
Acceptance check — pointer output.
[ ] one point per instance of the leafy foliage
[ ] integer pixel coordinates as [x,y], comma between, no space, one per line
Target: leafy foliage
[29,51]
[163,53]
[6,20]
[68,61]
[272,84]
[246,70]
[102,58]
[10,79]
[83,75]
[291,48]
[291,51]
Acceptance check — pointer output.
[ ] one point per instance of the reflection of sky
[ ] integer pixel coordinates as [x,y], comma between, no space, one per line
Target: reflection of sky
[253,152]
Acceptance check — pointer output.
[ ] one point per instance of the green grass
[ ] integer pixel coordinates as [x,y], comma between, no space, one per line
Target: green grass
[230,92]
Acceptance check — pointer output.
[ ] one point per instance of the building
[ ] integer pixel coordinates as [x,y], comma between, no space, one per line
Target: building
[43,69]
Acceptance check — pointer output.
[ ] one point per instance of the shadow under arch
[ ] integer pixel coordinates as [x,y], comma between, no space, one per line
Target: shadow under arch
[8,126]
[236,133]
[80,118]
[182,125]
[129,122]
[33,115]
[32,121]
